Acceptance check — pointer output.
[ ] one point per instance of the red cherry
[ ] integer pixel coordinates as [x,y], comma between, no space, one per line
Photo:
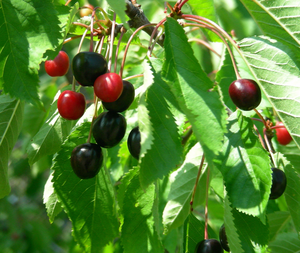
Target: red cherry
[59,66]
[71,105]
[108,87]
[283,136]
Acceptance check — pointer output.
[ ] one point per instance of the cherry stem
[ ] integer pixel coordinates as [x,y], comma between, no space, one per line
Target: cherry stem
[206,205]
[269,147]
[69,1]
[132,77]
[181,4]
[92,28]
[112,37]
[204,43]
[259,136]
[153,34]
[219,32]
[197,181]
[262,118]
[128,44]
[117,50]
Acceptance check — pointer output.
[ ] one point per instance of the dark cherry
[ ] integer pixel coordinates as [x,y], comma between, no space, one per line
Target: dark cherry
[108,87]
[209,246]
[86,160]
[71,105]
[283,136]
[87,67]
[278,183]
[245,94]
[134,142]
[223,238]
[109,129]
[59,66]
[124,101]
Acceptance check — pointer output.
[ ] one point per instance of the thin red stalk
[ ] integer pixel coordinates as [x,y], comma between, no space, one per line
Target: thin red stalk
[204,43]
[117,50]
[153,34]
[131,77]
[197,181]
[262,118]
[112,38]
[259,136]
[69,1]
[92,28]
[270,149]
[128,44]
[181,4]
[206,205]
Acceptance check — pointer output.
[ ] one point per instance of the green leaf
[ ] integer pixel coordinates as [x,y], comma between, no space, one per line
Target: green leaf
[277,221]
[182,182]
[11,115]
[192,89]
[89,203]
[278,19]
[278,76]
[119,7]
[138,230]
[287,243]
[53,207]
[155,161]
[28,28]
[245,167]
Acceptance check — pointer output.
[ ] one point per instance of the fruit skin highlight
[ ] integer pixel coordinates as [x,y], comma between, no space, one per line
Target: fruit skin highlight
[209,246]
[109,129]
[223,238]
[124,101]
[87,67]
[59,66]
[71,105]
[108,87]
[134,142]
[245,94]
[283,136]
[86,160]
[278,183]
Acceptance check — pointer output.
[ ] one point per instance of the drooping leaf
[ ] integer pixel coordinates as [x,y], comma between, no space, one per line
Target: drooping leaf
[28,28]
[182,182]
[277,221]
[155,162]
[89,203]
[138,230]
[277,73]
[11,115]
[245,167]
[192,89]
[287,243]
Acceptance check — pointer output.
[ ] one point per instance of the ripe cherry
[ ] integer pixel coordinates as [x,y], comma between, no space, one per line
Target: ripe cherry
[124,101]
[278,183]
[245,94]
[134,142]
[71,105]
[108,87]
[86,160]
[209,246]
[87,66]
[223,238]
[283,136]
[59,66]
[109,129]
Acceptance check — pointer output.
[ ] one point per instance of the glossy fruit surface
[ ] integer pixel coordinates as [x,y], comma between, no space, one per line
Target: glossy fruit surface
[223,238]
[278,183]
[59,65]
[245,94]
[109,129]
[71,105]
[209,246]
[86,10]
[134,142]
[124,101]
[283,136]
[108,87]
[86,160]
[87,66]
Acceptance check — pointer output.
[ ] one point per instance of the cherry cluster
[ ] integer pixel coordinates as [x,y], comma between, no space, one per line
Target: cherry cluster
[108,129]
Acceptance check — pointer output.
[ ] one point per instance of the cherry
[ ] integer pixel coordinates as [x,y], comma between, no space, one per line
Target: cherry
[245,94]
[71,104]
[134,142]
[59,66]
[223,238]
[209,246]
[86,10]
[283,136]
[278,183]
[86,160]
[109,129]
[108,87]
[87,66]
[124,101]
